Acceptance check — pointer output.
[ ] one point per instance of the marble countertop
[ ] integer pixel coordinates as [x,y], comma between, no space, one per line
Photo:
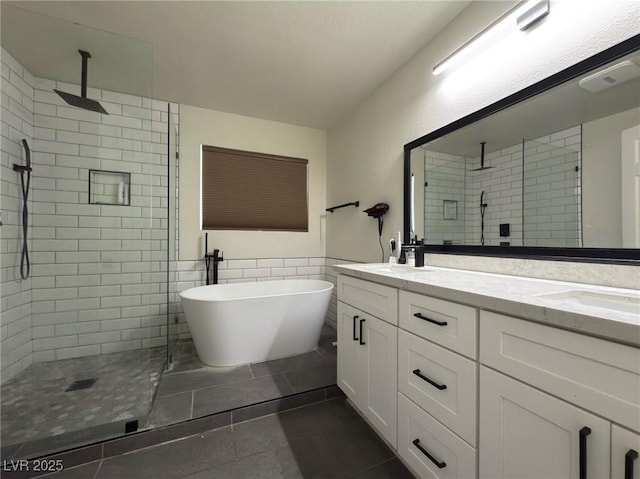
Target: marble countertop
[574,306]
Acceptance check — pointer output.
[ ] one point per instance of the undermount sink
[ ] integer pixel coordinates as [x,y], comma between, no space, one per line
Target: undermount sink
[617,302]
[388,268]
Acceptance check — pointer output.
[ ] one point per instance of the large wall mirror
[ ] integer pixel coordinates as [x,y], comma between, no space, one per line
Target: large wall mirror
[550,171]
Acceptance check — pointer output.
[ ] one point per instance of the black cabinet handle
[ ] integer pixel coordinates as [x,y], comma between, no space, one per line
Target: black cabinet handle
[584,432]
[355,338]
[430,381]
[439,323]
[361,323]
[629,457]
[416,442]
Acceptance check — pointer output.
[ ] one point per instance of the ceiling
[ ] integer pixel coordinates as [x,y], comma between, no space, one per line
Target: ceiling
[305,63]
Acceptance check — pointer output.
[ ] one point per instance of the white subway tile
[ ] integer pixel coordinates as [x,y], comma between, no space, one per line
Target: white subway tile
[81,327]
[98,291]
[270,263]
[98,338]
[98,268]
[121,346]
[256,273]
[99,314]
[77,304]
[99,245]
[80,280]
[290,262]
[77,352]
[57,342]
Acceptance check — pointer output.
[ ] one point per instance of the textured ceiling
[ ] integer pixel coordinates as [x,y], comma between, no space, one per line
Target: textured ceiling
[305,63]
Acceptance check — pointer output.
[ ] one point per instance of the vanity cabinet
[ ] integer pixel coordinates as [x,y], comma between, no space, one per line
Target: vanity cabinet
[368,353]
[555,403]
[465,393]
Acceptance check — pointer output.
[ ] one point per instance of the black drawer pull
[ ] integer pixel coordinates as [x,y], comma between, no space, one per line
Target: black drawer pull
[416,442]
[439,323]
[430,381]
[584,432]
[355,338]
[629,457]
[361,337]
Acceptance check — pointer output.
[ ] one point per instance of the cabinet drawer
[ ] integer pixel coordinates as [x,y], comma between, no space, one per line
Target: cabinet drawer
[623,443]
[599,375]
[452,399]
[449,324]
[376,299]
[455,458]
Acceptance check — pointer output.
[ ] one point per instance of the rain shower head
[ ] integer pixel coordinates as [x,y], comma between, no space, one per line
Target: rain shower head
[82,101]
[482,167]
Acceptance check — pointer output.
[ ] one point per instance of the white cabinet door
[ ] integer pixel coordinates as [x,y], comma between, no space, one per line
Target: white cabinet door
[368,367]
[625,451]
[350,374]
[381,370]
[525,433]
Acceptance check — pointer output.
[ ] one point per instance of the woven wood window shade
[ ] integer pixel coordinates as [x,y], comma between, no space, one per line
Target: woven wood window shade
[242,190]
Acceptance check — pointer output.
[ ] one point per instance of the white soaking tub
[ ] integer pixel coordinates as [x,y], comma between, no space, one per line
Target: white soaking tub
[243,323]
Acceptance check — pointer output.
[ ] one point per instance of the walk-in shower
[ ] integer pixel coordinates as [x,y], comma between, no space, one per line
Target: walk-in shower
[85,277]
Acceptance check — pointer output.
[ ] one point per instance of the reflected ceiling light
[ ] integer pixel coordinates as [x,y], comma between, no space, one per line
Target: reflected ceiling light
[524,15]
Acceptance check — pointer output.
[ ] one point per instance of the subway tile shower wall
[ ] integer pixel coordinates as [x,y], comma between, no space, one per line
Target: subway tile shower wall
[98,274]
[15,305]
[549,204]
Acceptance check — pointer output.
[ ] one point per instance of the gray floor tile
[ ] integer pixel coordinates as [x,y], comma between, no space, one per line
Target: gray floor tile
[173,460]
[242,393]
[302,361]
[393,469]
[86,471]
[341,453]
[201,378]
[272,464]
[311,378]
[278,430]
[171,409]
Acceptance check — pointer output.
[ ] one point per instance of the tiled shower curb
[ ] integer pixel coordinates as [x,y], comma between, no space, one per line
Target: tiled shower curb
[10,468]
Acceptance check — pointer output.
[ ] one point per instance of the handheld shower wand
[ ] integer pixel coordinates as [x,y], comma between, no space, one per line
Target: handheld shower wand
[483,207]
[25,264]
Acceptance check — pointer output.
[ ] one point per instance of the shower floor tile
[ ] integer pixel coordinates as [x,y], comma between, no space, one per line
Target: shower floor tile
[39,403]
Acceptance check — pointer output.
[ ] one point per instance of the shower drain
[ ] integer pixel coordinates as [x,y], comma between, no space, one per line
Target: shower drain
[81,384]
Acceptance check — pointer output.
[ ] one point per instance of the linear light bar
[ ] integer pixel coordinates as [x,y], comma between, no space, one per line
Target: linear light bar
[523,15]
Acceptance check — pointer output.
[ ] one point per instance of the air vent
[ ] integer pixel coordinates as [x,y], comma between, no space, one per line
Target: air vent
[611,76]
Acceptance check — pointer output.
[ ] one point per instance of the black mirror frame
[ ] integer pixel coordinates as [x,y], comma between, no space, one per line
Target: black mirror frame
[591,255]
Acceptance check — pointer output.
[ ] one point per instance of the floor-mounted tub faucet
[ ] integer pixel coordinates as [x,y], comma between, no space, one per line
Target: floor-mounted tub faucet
[214,258]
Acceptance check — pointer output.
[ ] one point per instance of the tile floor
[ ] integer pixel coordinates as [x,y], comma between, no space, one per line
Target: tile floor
[192,390]
[322,440]
[37,406]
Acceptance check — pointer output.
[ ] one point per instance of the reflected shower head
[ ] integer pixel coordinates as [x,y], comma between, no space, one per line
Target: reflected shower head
[82,101]
[482,167]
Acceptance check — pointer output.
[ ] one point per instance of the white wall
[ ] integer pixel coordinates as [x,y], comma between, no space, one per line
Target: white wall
[601,176]
[365,148]
[200,126]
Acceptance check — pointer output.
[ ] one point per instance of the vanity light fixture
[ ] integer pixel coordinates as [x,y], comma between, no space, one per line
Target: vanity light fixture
[524,15]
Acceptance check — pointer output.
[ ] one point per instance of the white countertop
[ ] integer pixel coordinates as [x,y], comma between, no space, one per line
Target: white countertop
[541,300]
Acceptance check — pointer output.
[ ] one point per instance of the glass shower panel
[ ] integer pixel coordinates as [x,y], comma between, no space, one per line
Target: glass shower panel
[552,191]
[172,237]
[445,177]
[84,338]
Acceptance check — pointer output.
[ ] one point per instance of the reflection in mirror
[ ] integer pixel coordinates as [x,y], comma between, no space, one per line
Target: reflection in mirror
[551,171]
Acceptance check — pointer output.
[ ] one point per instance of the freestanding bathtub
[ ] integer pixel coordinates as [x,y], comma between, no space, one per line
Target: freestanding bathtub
[243,323]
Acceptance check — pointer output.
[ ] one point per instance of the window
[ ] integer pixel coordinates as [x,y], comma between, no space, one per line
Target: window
[243,190]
